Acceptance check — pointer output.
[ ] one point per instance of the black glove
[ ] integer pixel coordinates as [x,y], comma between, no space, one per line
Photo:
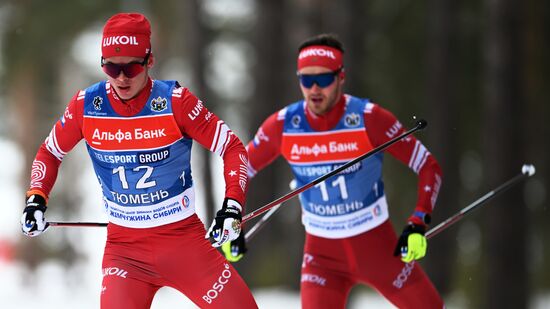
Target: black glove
[412,244]
[234,250]
[33,222]
[226,226]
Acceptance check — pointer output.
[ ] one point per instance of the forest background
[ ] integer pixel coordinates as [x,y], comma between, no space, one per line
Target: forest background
[477,71]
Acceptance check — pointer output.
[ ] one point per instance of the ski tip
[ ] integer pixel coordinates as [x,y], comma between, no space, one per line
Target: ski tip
[528,169]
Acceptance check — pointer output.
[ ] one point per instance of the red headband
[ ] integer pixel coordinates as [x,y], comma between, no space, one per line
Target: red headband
[126,34]
[320,55]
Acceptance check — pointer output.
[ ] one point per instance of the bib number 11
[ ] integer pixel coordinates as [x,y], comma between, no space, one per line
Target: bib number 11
[339,182]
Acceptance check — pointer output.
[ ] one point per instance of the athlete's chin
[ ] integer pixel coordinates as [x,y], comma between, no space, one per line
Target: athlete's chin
[125,92]
[317,107]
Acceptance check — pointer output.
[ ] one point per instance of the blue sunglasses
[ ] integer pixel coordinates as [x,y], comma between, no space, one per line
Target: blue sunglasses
[322,80]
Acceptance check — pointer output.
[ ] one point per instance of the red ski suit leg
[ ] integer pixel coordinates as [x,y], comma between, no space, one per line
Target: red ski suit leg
[137,262]
[331,267]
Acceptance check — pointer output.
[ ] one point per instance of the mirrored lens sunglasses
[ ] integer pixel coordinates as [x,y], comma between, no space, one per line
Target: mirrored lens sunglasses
[130,70]
[322,80]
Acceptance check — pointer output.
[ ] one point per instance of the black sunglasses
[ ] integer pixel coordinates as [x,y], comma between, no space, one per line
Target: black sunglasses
[130,69]
[322,80]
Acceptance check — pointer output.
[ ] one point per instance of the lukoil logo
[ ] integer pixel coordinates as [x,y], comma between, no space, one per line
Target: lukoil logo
[114,271]
[319,52]
[120,40]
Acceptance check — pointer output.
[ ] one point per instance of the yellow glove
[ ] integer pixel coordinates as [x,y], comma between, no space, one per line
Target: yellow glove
[412,244]
[234,250]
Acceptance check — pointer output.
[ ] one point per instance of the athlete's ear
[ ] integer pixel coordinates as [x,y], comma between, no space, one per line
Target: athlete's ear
[342,76]
[151,61]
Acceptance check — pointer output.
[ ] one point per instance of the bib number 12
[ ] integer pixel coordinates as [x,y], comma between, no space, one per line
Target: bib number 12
[142,183]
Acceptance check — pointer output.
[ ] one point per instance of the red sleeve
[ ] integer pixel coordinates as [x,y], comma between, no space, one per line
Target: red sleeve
[266,145]
[65,134]
[196,122]
[382,126]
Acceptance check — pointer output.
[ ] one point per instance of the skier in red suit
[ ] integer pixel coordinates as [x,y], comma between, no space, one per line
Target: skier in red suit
[349,237]
[139,132]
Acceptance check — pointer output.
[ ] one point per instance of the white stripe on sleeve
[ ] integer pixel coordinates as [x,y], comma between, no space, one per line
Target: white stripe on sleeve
[221,138]
[216,135]
[53,146]
[418,157]
[413,155]
[227,140]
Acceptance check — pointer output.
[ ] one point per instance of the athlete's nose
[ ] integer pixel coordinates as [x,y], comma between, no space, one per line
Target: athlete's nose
[121,76]
[315,88]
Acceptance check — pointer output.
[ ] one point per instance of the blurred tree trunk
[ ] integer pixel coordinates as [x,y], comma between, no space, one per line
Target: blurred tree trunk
[347,20]
[25,110]
[197,38]
[271,76]
[305,19]
[442,135]
[537,109]
[32,90]
[505,226]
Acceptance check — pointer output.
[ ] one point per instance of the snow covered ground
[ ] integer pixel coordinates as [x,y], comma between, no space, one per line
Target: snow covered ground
[52,291]
[54,288]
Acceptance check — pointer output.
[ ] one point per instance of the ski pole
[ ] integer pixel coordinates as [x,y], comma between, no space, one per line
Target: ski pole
[420,124]
[78,224]
[527,170]
[256,228]
[261,223]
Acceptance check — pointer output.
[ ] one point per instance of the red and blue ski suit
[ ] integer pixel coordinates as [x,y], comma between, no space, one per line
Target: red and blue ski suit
[141,151]
[349,237]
